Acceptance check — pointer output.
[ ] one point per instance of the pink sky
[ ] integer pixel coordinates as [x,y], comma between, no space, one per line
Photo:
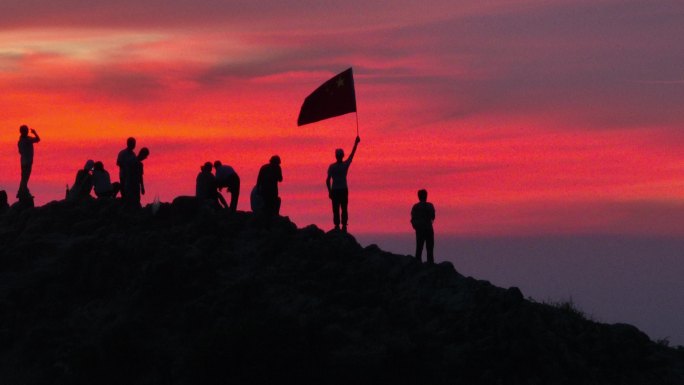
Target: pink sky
[519,117]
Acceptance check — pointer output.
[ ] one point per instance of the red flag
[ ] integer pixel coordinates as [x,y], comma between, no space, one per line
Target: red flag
[333,98]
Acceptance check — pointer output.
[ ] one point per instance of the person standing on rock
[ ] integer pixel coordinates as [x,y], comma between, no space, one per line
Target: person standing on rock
[270,175]
[135,185]
[125,160]
[337,185]
[228,178]
[422,216]
[25,145]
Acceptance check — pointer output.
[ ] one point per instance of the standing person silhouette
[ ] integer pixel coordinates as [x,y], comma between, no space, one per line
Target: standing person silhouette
[228,178]
[337,190]
[125,160]
[270,175]
[135,184]
[206,188]
[25,145]
[422,216]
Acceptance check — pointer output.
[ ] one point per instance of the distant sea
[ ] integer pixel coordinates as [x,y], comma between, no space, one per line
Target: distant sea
[612,279]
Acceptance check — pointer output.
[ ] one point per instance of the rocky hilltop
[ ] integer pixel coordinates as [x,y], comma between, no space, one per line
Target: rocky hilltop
[93,294]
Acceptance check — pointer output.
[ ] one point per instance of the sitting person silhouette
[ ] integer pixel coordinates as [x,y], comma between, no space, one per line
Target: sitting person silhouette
[83,182]
[422,216]
[228,178]
[337,190]
[206,190]
[102,183]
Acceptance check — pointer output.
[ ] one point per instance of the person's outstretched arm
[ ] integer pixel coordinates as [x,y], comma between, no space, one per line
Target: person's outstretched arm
[36,138]
[351,156]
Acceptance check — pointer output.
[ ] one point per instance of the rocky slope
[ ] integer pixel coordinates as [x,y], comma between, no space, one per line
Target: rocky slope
[94,294]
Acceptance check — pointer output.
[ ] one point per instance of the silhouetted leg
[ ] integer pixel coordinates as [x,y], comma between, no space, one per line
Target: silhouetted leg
[234,193]
[430,245]
[420,240]
[25,175]
[344,202]
[336,209]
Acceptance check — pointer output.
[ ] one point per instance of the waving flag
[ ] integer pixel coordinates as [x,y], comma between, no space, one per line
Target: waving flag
[333,98]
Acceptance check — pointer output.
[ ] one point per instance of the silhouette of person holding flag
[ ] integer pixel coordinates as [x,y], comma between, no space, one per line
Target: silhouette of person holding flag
[336,182]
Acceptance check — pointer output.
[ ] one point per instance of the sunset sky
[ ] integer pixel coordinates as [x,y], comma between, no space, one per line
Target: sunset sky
[519,117]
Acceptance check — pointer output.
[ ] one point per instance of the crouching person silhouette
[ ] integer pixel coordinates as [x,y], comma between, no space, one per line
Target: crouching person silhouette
[205,188]
[83,183]
[228,178]
[102,182]
[422,216]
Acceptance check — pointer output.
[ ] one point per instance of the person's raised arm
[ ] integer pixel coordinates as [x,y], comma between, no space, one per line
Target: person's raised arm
[351,156]
[36,137]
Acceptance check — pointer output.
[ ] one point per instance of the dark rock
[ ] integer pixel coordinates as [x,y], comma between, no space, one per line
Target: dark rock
[93,293]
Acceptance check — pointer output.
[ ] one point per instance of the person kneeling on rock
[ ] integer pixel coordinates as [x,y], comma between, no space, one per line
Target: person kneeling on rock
[205,188]
[83,183]
[102,183]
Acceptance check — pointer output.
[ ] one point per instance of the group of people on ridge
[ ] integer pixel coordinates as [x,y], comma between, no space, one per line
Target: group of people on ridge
[208,186]
[264,197]
[93,176]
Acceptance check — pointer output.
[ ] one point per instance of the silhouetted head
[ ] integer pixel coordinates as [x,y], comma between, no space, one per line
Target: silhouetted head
[144,153]
[422,195]
[89,165]
[217,164]
[130,143]
[23,130]
[99,166]
[275,159]
[339,154]
[206,167]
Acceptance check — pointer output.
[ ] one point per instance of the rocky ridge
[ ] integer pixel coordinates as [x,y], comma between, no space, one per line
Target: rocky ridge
[93,294]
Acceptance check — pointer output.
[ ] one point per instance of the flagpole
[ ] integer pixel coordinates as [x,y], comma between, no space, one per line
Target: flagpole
[357,123]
